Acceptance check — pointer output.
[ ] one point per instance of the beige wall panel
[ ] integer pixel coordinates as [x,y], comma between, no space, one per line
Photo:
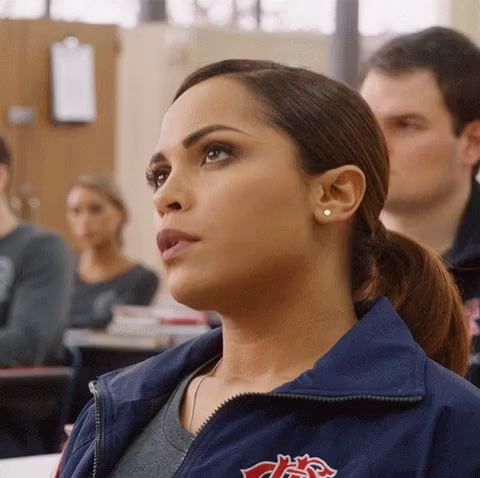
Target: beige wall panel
[465,16]
[299,49]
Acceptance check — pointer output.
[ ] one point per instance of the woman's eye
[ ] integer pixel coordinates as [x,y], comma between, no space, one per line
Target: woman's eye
[156,179]
[95,209]
[217,154]
[161,178]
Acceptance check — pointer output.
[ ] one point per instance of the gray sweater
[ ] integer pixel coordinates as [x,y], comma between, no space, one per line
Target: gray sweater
[92,303]
[36,276]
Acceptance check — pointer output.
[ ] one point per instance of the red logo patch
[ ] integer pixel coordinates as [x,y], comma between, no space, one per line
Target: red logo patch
[472,310]
[286,467]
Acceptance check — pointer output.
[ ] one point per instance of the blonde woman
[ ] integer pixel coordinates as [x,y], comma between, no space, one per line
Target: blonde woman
[104,276]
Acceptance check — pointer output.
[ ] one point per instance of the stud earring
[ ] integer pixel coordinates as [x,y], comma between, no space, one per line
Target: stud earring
[327,212]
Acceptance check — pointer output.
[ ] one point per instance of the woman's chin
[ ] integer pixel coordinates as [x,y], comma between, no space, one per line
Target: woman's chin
[197,293]
[92,242]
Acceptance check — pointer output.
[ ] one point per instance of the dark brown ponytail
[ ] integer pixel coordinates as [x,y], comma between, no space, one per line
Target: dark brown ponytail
[333,126]
[422,291]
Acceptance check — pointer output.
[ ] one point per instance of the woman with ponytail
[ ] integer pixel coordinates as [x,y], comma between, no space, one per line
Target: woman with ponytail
[343,345]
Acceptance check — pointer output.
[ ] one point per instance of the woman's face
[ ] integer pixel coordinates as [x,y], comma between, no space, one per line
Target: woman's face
[224,176]
[92,218]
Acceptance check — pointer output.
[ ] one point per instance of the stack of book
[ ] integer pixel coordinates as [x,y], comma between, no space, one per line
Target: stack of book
[159,326]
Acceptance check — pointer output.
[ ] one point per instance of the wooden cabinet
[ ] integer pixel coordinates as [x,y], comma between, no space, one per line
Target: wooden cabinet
[48,155]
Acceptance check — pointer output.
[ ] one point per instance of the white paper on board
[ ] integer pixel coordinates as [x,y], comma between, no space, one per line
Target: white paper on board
[73,83]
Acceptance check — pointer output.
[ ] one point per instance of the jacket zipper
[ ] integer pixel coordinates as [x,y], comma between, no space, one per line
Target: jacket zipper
[98,427]
[323,399]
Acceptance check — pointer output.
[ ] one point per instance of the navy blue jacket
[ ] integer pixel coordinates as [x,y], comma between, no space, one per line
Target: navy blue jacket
[373,406]
[463,260]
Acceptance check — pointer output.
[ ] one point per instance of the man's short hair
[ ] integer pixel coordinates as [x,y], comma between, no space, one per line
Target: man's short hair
[5,156]
[452,58]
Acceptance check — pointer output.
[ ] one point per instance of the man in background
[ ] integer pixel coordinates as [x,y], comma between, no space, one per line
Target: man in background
[35,285]
[424,89]
[36,274]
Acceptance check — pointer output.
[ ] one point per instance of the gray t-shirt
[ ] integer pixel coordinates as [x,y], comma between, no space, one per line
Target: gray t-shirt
[36,275]
[92,302]
[160,448]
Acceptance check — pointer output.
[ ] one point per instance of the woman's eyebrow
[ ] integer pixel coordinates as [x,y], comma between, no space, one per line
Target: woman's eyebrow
[196,136]
[193,138]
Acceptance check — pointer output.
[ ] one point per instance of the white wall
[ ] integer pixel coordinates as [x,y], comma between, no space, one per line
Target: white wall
[153,61]
[465,17]
[299,49]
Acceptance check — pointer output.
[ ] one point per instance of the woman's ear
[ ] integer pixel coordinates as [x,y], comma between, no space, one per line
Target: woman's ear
[336,194]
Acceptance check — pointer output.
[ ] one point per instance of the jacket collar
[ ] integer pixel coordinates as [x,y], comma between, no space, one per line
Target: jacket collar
[466,248]
[377,357]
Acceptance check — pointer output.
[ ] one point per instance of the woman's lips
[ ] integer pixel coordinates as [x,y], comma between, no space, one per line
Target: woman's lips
[175,250]
[172,242]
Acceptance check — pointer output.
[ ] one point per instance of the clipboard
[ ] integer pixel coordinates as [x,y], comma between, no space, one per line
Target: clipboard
[72,69]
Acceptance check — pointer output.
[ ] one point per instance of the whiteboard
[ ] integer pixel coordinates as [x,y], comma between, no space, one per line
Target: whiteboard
[73,82]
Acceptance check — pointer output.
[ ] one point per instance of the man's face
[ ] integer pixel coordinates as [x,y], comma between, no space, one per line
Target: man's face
[424,151]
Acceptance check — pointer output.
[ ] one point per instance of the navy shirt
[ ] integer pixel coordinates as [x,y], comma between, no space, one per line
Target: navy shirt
[463,261]
[92,302]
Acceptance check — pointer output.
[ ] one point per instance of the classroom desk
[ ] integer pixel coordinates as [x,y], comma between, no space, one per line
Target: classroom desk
[102,353]
[39,466]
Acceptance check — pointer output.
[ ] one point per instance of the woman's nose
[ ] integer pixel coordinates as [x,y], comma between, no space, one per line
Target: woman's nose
[172,196]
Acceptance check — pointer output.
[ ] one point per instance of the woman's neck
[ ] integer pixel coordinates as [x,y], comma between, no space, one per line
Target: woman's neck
[102,262]
[103,253]
[275,342]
